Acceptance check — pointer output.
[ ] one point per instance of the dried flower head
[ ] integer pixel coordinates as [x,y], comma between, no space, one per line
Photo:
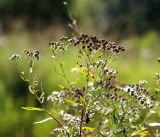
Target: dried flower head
[158,59]
[140,93]
[32,54]
[61,95]
[15,57]
[93,44]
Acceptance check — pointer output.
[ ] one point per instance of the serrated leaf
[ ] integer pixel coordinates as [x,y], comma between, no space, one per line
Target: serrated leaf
[72,102]
[42,121]
[32,108]
[88,128]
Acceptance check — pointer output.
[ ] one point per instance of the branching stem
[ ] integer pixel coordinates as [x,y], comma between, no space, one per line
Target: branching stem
[63,72]
[81,124]
[47,112]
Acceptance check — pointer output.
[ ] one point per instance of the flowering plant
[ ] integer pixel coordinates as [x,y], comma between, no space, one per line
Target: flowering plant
[103,106]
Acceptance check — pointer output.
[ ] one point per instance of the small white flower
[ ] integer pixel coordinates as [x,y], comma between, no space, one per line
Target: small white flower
[74,70]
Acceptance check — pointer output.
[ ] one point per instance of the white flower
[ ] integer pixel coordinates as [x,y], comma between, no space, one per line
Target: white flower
[74,70]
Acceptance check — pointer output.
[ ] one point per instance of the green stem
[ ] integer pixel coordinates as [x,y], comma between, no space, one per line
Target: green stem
[45,110]
[63,72]
[81,124]
[86,92]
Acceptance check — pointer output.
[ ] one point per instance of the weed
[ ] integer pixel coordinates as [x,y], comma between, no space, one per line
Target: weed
[103,106]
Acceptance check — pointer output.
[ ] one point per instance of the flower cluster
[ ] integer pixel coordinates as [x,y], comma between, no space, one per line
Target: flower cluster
[60,46]
[134,112]
[116,97]
[92,43]
[32,54]
[110,71]
[73,120]
[139,92]
[60,96]
[60,130]
[102,66]
[108,83]
[57,96]
[157,75]
[15,57]
[56,45]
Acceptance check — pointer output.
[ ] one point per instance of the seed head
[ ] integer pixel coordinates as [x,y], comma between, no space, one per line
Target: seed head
[15,57]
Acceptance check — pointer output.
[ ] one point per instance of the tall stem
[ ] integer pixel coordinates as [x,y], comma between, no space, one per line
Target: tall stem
[86,92]
[81,124]
[63,72]
[45,110]
[61,65]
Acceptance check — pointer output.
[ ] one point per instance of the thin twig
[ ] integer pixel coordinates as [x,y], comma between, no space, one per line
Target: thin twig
[81,124]
[73,24]
[45,110]
[86,92]
[64,74]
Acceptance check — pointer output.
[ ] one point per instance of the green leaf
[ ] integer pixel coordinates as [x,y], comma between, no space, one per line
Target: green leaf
[84,74]
[23,77]
[88,128]
[115,116]
[30,70]
[62,87]
[42,121]
[102,134]
[31,66]
[32,108]
[42,89]
[72,102]
[42,95]
[83,100]
[30,89]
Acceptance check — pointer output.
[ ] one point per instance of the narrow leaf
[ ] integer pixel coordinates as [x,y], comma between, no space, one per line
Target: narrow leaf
[72,102]
[88,128]
[62,87]
[32,108]
[83,100]
[42,95]
[80,69]
[23,76]
[42,121]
